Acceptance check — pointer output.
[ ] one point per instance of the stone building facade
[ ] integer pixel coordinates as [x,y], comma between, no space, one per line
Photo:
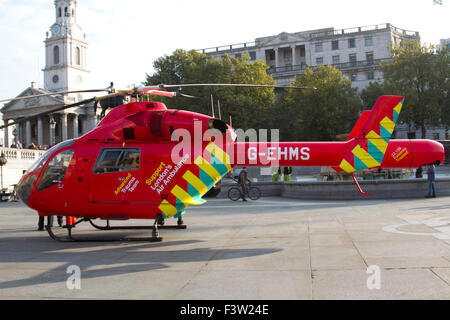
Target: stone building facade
[357,52]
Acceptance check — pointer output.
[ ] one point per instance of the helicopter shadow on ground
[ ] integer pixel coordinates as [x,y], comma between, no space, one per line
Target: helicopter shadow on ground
[60,274]
[99,259]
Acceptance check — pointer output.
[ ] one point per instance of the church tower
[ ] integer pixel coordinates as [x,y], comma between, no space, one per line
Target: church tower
[65,52]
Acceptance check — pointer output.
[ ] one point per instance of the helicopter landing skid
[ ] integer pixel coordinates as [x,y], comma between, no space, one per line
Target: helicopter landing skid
[108,227]
[69,238]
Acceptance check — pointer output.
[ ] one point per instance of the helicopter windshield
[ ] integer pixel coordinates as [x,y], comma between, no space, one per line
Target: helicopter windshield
[40,162]
[56,169]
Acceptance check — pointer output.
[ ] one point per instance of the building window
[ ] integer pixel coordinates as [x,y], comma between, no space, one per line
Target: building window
[319,47]
[336,60]
[302,51]
[272,55]
[252,55]
[55,55]
[352,59]
[319,60]
[238,55]
[368,41]
[436,136]
[411,135]
[353,77]
[59,12]
[78,56]
[335,45]
[369,57]
[370,75]
[352,43]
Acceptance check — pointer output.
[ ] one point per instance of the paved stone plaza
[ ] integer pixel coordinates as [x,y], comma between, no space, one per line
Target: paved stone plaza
[273,248]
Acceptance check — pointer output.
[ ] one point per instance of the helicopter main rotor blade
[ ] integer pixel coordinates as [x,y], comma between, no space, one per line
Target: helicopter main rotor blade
[55,94]
[169,86]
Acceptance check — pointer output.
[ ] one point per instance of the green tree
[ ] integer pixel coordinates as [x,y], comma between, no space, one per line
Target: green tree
[320,114]
[370,94]
[421,75]
[247,106]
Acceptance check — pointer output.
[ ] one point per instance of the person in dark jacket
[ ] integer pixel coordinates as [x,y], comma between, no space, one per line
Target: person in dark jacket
[243,181]
[419,172]
[431,183]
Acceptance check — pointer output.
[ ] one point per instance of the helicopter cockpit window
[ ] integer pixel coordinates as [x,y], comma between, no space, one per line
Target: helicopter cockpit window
[118,159]
[40,162]
[56,170]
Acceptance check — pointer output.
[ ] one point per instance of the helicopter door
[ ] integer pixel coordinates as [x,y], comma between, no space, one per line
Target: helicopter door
[51,186]
[115,175]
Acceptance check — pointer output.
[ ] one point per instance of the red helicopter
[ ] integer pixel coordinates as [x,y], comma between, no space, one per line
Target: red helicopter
[144,161]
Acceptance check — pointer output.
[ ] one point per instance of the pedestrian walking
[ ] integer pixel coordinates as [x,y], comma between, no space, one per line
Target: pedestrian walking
[431,181]
[243,181]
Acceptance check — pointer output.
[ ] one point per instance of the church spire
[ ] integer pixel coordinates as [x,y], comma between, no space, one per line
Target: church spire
[65,51]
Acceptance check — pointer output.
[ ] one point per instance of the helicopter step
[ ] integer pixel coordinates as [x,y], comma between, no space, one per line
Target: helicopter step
[69,238]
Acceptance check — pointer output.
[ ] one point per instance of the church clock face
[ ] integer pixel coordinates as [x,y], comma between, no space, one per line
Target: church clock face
[55,78]
[56,29]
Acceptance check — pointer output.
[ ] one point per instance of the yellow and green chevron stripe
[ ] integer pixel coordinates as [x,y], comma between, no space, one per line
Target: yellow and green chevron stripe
[209,173]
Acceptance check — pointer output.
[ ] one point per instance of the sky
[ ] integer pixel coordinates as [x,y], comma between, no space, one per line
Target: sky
[126,37]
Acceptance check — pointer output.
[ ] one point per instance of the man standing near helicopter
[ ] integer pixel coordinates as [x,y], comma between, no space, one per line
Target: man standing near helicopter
[243,181]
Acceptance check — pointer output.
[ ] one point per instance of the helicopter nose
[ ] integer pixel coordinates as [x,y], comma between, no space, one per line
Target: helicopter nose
[25,187]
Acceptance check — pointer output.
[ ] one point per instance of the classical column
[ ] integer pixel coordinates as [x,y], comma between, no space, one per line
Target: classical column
[75,125]
[6,137]
[63,126]
[308,54]
[276,58]
[91,120]
[40,132]
[294,57]
[27,134]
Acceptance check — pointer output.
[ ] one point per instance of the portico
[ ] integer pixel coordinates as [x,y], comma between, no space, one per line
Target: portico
[45,130]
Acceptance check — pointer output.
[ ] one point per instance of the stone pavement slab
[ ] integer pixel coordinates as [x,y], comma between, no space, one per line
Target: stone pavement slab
[273,248]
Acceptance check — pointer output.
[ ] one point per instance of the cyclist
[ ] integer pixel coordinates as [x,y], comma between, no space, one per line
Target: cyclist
[243,181]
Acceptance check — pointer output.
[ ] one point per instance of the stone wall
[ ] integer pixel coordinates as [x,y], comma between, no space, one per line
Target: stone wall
[18,160]
[346,190]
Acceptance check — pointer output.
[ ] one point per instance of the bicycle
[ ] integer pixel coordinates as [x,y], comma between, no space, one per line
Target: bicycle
[235,193]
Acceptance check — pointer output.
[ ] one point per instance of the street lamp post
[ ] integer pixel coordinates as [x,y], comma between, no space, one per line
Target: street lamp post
[52,131]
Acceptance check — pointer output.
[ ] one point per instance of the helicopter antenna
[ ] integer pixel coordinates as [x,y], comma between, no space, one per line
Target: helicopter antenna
[218,107]
[212,106]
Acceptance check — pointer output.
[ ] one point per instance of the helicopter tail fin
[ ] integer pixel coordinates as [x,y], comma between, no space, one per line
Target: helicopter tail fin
[368,141]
